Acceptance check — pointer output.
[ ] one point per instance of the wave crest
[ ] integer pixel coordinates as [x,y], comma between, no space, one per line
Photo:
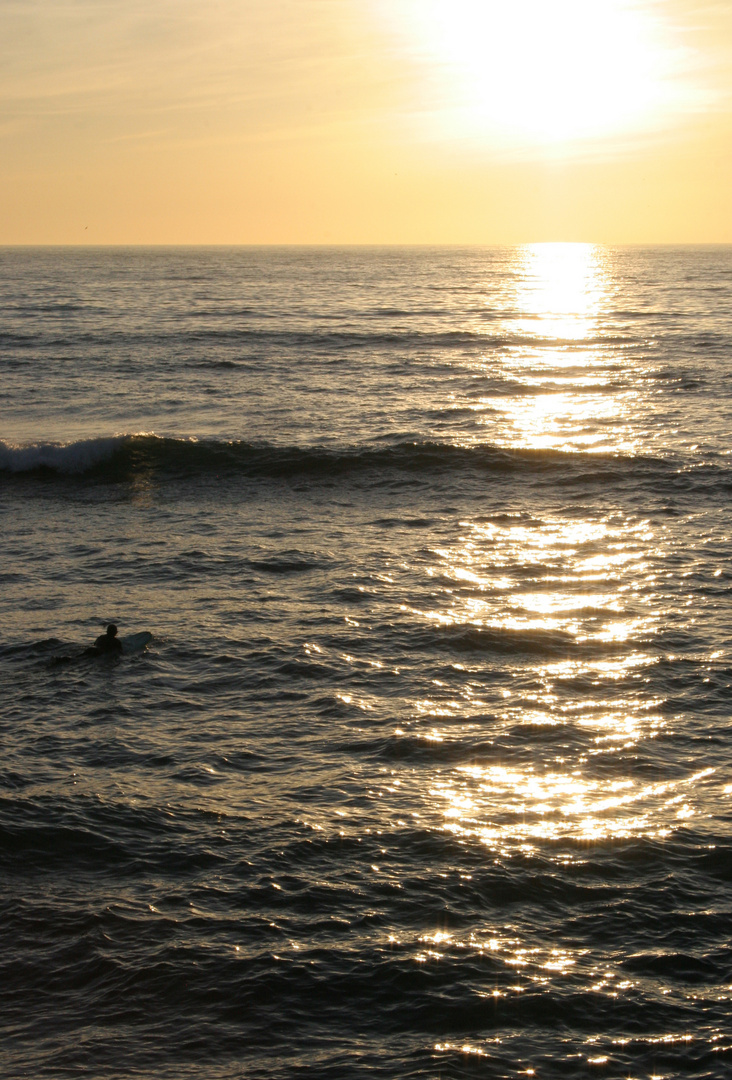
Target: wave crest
[69,458]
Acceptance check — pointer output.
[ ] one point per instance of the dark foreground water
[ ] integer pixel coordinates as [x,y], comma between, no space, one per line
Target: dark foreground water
[426,772]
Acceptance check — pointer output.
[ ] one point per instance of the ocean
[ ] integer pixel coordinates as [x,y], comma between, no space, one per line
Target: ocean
[426,770]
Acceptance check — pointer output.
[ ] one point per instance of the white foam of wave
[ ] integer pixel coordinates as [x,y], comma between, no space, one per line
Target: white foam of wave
[73,457]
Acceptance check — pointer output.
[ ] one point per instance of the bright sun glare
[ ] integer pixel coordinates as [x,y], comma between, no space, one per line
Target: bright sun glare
[548,71]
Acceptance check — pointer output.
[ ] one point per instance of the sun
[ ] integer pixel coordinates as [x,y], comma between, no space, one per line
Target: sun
[546,71]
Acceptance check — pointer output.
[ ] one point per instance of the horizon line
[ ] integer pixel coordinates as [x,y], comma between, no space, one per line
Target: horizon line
[369,245]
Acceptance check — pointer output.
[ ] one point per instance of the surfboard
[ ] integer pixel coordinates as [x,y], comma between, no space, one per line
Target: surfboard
[135,642]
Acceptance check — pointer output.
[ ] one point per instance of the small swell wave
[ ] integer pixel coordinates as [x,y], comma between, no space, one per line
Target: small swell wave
[121,458]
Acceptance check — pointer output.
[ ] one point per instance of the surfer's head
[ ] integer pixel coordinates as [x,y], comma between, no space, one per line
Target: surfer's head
[111,629]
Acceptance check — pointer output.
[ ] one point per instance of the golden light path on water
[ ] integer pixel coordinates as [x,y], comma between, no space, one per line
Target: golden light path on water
[585,585]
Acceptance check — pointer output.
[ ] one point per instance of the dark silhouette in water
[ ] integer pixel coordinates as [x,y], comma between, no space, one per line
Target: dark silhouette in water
[106,643]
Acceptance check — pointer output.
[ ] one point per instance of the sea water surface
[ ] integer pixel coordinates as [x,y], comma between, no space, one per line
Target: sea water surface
[426,772]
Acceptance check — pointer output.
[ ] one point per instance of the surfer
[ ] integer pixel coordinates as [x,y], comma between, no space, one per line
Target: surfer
[107,643]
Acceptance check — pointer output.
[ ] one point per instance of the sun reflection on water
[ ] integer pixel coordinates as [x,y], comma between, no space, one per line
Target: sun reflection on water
[577,577]
[561,606]
[507,807]
[569,392]
[563,288]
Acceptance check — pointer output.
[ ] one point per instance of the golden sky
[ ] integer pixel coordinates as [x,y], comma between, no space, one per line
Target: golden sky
[365,121]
